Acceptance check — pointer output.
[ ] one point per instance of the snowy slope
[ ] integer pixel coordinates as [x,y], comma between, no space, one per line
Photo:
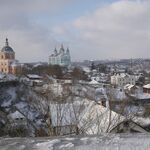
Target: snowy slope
[103,142]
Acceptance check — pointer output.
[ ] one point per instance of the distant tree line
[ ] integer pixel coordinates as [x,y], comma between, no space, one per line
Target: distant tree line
[78,74]
[103,68]
[56,71]
[52,70]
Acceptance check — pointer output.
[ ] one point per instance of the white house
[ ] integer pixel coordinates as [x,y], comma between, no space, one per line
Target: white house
[121,79]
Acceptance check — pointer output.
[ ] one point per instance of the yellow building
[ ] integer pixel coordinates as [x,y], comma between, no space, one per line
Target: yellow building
[8,64]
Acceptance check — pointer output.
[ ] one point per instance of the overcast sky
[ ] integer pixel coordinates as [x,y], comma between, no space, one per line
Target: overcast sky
[92,29]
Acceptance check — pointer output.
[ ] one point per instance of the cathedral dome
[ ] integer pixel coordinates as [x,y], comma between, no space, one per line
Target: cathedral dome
[7,48]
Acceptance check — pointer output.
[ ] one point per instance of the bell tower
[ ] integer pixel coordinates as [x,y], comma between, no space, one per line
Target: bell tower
[7,57]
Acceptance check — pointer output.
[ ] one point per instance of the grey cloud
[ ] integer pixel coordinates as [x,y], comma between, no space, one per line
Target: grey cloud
[117,30]
[31,41]
[29,6]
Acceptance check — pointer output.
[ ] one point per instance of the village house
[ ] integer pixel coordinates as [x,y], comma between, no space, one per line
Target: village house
[17,124]
[121,79]
[93,118]
[131,89]
[94,83]
[97,119]
[32,80]
[16,119]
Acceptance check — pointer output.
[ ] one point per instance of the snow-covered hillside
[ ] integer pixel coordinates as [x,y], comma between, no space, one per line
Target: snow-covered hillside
[22,99]
[42,112]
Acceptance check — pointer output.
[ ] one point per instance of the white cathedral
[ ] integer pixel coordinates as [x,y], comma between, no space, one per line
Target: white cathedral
[60,57]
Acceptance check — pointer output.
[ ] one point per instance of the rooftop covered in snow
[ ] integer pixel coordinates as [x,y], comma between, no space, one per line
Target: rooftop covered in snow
[147,86]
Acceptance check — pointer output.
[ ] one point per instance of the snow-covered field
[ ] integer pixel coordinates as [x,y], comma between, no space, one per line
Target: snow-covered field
[103,142]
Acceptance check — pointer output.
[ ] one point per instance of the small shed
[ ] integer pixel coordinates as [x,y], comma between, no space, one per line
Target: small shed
[16,119]
[146,88]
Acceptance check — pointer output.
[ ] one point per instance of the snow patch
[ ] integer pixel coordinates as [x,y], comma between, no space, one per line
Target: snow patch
[47,145]
[69,145]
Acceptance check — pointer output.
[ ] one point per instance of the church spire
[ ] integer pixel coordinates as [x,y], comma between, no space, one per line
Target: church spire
[62,49]
[7,44]
[55,51]
[67,50]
